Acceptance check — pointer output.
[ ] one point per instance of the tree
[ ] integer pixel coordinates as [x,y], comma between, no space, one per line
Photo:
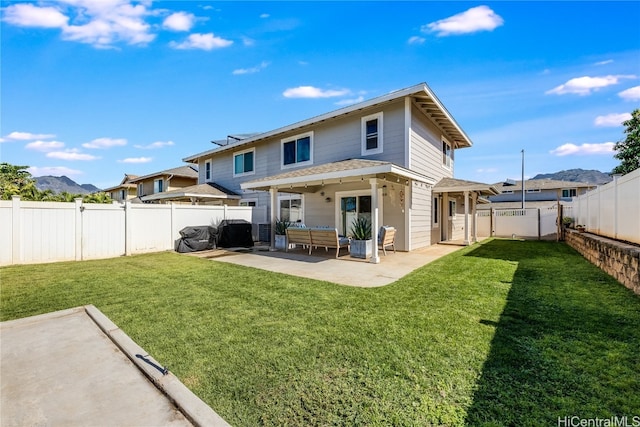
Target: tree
[628,150]
[16,181]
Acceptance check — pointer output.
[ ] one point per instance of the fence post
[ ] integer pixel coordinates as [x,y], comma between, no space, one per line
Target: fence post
[615,205]
[173,225]
[78,225]
[224,211]
[127,228]
[16,235]
[538,211]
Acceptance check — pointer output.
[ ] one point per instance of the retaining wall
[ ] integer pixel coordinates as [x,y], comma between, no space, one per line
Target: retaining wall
[618,259]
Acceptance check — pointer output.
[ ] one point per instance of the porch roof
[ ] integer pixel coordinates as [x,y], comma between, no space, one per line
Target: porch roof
[209,190]
[340,171]
[453,185]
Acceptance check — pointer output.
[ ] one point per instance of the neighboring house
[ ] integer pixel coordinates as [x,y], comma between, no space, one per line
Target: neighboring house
[380,159]
[126,190]
[537,193]
[149,188]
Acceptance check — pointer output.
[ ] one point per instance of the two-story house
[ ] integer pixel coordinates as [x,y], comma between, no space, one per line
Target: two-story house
[151,188]
[124,191]
[380,159]
[537,193]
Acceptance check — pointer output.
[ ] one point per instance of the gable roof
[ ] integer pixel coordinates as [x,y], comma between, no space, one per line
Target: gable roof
[209,190]
[453,185]
[125,183]
[422,96]
[189,171]
[541,184]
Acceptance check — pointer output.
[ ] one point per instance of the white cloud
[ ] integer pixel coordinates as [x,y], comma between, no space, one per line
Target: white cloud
[416,40]
[350,101]
[53,171]
[248,41]
[313,92]
[28,15]
[585,85]
[202,41]
[612,120]
[480,18]
[44,145]
[154,145]
[27,136]
[608,61]
[584,149]
[179,21]
[71,154]
[103,143]
[487,170]
[136,160]
[631,94]
[251,70]
[264,15]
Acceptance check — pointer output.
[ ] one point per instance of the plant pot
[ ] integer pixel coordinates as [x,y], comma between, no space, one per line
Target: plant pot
[361,248]
[580,229]
[281,242]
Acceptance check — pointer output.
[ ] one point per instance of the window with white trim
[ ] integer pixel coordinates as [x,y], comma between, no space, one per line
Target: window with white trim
[570,192]
[447,154]
[533,190]
[158,185]
[436,211]
[507,191]
[249,202]
[207,171]
[452,208]
[244,162]
[291,208]
[140,189]
[372,134]
[123,194]
[297,151]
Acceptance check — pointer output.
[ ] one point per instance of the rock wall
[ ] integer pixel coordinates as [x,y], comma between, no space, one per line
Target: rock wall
[620,260]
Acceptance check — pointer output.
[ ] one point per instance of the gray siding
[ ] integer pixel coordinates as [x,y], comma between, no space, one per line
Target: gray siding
[420,216]
[426,147]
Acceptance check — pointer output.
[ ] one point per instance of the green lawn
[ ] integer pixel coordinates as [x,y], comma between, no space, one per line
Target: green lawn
[501,333]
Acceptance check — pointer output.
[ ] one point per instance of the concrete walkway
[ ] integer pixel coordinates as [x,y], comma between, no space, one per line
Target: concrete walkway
[76,368]
[322,265]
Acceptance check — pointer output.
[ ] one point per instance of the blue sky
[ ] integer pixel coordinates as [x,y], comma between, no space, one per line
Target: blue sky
[96,89]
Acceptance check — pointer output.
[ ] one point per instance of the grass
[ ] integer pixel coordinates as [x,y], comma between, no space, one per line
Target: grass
[501,333]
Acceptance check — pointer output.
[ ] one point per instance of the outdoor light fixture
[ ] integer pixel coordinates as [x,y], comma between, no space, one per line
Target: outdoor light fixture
[328,200]
[384,191]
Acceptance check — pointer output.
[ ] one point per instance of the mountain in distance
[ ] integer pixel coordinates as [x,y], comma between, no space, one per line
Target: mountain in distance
[59,184]
[577,175]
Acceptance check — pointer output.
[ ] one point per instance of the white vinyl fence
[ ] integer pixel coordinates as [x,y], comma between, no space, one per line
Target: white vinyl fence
[611,210]
[37,232]
[530,223]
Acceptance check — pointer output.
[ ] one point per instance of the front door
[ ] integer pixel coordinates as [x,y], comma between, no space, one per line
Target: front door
[352,207]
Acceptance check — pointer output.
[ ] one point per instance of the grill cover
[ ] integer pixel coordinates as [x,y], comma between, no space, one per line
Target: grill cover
[233,233]
[196,238]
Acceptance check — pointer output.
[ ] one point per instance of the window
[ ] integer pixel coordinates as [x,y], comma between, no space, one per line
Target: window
[244,162]
[570,192]
[158,185]
[372,134]
[249,202]
[297,151]
[507,191]
[123,194]
[140,190]
[452,208]
[207,171]
[291,208]
[533,190]
[446,154]
[436,213]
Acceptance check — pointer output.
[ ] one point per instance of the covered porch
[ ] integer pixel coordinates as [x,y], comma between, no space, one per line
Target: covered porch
[333,194]
[459,225]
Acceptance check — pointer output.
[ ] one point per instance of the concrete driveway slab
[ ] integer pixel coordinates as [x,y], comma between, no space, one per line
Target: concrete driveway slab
[76,368]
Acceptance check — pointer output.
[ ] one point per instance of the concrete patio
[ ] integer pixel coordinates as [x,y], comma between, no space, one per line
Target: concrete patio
[322,265]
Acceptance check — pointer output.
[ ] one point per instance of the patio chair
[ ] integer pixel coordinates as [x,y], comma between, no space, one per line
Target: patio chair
[387,237]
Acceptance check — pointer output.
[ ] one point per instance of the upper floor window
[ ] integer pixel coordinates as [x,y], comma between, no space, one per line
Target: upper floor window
[158,185]
[570,192]
[244,162]
[446,154]
[297,151]
[207,171]
[372,134]
[140,189]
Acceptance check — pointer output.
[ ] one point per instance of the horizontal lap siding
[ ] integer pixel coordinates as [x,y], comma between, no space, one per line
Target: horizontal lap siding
[420,216]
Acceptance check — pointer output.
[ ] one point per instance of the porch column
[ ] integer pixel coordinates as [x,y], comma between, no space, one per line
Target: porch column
[273,193]
[474,216]
[375,258]
[466,218]
[445,217]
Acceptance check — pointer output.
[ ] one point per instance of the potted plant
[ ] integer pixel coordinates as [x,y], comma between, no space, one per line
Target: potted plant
[581,228]
[280,228]
[361,243]
[567,221]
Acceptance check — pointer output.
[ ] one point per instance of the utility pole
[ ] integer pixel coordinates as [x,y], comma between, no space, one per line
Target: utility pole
[522,179]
